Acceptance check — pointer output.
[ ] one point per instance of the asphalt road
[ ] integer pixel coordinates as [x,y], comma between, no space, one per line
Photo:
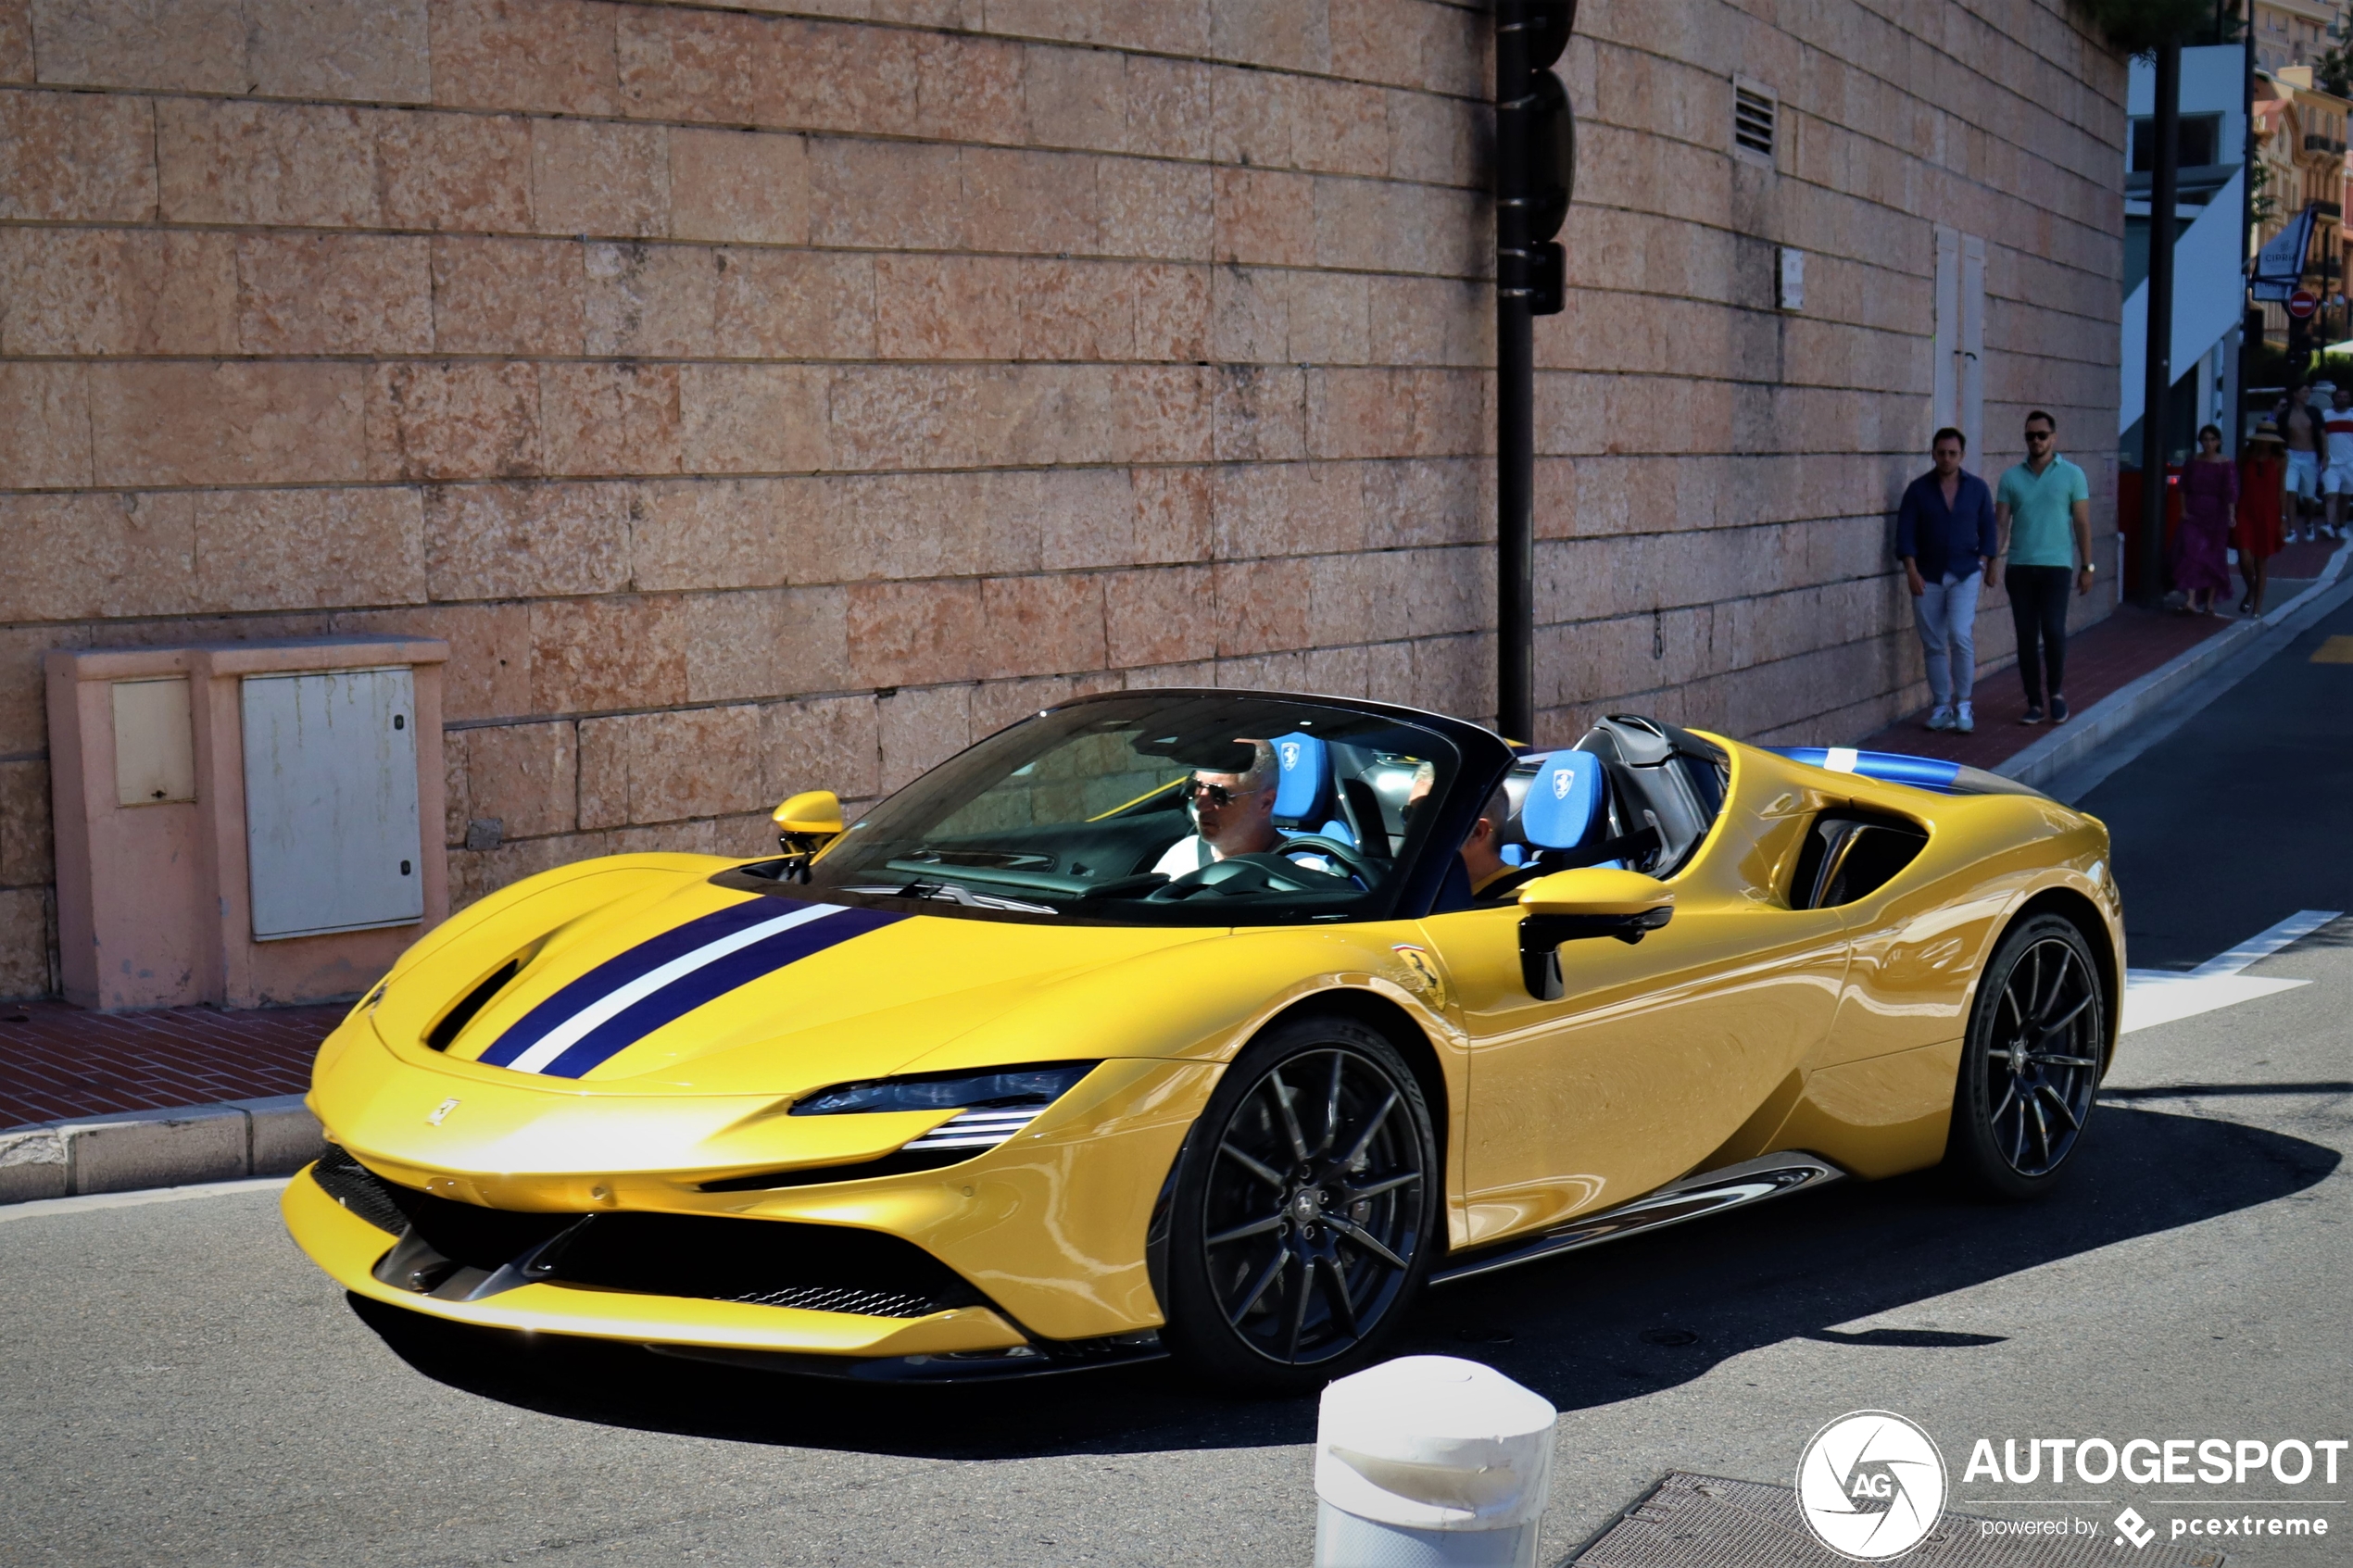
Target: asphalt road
[181,1388]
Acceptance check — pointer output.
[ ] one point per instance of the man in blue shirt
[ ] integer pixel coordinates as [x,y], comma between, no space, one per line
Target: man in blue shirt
[2046,504]
[1944,534]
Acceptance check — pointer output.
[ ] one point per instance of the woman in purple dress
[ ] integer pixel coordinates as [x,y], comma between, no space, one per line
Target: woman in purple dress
[2209,500]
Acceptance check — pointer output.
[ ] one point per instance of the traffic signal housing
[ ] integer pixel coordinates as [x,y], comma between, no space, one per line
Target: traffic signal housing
[1535,150]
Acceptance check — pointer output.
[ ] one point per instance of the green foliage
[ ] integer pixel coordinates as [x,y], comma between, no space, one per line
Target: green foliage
[2137,26]
[2333,72]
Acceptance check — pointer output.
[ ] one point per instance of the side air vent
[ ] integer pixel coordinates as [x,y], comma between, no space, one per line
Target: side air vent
[1756,108]
[1851,855]
[453,1022]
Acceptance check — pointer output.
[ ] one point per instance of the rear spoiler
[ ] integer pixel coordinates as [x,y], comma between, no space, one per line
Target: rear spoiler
[1920,772]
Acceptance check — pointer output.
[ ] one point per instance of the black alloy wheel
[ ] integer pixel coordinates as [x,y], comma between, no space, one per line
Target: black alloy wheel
[1305,1208]
[2037,1044]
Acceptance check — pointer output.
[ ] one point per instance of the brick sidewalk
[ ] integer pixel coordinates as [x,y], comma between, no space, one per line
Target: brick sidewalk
[2101,659]
[58,1061]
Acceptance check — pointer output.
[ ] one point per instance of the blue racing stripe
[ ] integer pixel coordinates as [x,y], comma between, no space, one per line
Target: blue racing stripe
[710,981]
[623,968]
[1921,772]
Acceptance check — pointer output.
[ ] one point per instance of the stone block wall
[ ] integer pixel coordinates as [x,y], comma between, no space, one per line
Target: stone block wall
[772,394]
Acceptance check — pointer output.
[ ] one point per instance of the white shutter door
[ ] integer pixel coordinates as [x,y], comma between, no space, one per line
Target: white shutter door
[1946,401]
[1969,367]
[331,834]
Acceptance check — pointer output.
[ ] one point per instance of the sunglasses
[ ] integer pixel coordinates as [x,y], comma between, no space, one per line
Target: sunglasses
[1215,795]
[2040,434]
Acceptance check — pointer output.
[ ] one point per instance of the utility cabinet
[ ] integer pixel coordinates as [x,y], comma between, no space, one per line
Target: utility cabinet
[245,823]
[332,840]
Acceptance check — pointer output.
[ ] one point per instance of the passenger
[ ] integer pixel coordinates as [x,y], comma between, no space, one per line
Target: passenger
[1234,813]
[1494,880]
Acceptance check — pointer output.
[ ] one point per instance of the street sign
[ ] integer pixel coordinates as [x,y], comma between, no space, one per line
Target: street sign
[2302,303]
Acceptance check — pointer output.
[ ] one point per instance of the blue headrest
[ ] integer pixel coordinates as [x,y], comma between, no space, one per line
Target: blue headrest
[1305,794]
[1563,801]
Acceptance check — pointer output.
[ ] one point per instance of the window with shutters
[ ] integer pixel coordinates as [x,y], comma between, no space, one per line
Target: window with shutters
[1756,110]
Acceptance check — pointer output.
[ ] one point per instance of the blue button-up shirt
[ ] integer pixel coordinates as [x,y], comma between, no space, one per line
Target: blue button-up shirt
[1948,541]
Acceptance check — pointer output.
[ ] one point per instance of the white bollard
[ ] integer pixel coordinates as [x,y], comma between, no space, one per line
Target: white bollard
[1430,1461]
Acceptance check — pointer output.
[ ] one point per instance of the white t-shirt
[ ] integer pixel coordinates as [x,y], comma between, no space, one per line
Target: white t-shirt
[2339,425]
[1184,857]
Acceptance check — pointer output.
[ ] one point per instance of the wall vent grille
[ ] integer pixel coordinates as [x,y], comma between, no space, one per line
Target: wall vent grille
[1755,110]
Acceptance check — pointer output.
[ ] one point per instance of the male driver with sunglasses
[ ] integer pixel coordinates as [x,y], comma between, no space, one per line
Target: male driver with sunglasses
[1235,814]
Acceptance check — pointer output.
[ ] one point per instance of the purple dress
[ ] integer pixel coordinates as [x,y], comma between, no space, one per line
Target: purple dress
[2209,500]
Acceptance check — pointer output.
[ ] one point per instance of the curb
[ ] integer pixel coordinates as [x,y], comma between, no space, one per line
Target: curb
[2065,749]
[156,1149]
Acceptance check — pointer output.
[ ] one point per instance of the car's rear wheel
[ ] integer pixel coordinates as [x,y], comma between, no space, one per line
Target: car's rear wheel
[2037,1040]
[1304,1209]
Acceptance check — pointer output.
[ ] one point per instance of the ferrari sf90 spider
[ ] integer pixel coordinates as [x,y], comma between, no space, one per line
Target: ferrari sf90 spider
[1212,1023]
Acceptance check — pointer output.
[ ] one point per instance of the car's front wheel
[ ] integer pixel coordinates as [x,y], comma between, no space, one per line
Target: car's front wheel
[1304,1209]
[2037,1042]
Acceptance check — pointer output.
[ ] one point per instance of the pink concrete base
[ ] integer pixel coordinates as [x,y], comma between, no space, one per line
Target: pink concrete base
[153,908]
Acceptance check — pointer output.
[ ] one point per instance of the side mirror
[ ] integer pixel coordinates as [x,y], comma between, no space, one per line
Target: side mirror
[1567,906]
[805,824]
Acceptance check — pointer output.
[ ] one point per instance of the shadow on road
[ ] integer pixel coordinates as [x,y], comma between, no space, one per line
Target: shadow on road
[1592,1328]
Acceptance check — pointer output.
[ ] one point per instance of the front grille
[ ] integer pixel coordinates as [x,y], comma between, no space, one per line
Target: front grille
[712,1258]
[765,1262]
[827,1298]
[361,1190]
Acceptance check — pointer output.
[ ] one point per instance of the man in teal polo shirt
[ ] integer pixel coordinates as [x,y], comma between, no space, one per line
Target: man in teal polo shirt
[2044,510]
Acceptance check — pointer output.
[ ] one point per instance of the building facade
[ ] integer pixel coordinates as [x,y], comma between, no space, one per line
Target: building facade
[778,393]
[2295,33]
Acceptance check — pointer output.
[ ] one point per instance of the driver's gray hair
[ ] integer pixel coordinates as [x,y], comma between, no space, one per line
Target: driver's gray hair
[1264,772]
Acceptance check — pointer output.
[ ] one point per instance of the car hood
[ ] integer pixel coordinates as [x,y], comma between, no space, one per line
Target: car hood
[699,989]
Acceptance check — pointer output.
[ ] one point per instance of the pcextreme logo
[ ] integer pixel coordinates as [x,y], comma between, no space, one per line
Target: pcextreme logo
[1871,1486]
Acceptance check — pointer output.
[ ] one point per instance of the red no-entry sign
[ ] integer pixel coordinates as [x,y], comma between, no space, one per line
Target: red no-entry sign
[2302,303]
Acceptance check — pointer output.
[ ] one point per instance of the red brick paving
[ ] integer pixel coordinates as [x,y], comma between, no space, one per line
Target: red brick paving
[58,1061]
[2101,659]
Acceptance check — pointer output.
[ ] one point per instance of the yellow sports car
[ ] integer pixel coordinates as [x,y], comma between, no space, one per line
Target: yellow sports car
[1208,1023]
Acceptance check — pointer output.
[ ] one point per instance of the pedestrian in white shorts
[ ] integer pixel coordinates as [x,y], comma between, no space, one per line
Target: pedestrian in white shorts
[2336,478]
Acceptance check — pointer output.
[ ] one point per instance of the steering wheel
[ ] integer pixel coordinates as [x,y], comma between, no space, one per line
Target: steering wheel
[1270,871]
[1352,860]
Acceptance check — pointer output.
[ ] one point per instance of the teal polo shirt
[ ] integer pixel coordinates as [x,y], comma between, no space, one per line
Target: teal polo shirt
[2042,512]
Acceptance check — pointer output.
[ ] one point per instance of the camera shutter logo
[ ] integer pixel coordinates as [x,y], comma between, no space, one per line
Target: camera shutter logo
[1871,1486]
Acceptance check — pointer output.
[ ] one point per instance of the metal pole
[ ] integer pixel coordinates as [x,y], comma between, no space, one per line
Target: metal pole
[1515,521]
[1515,437]
[2149,584]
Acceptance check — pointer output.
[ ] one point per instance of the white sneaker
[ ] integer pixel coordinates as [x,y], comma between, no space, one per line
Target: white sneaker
[1940,719]
[1965,721]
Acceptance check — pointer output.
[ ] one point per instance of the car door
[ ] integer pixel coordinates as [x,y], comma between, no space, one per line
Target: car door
[1654,1055]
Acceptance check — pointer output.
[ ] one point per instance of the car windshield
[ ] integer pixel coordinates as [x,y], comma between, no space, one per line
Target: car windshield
[1157,808]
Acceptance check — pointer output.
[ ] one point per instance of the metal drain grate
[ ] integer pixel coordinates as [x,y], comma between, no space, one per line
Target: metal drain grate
[1708,1521]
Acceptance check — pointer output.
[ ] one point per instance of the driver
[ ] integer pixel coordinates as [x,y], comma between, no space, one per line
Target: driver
[1234,813]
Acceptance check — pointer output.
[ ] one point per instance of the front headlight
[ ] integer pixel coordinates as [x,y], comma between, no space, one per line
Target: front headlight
[995,1104]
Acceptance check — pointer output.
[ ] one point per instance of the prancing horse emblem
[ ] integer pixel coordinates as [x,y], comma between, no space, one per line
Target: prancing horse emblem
[440,1111]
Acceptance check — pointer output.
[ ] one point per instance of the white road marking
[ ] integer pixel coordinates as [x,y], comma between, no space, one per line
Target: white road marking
[35,1208]
[2162,995]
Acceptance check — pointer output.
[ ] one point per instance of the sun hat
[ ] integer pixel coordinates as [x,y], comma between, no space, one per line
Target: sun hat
[2266,430]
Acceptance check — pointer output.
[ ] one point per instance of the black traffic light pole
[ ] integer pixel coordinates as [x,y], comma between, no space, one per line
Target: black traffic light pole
[2149,583]
[1535,151]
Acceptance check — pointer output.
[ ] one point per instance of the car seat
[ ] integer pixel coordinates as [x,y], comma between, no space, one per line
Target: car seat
[1304,797]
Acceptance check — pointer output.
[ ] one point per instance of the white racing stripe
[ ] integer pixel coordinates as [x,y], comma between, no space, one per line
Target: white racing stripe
[1842,760]
[561,1038]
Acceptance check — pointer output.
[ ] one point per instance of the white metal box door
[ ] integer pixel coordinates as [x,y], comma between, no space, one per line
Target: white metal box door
[331,839]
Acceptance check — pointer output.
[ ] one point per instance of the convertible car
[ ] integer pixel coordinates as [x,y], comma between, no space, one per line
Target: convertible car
[1207,1023]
